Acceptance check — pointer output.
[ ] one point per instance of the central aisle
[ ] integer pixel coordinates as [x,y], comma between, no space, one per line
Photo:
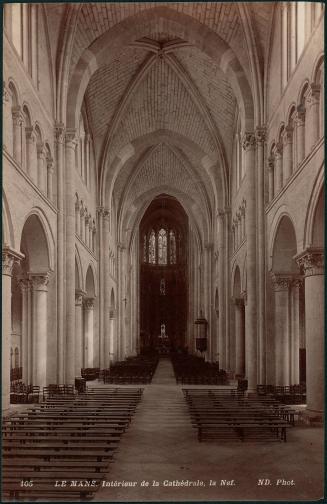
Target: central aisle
[161,445]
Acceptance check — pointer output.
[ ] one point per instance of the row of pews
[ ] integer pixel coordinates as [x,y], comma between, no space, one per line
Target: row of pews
[290,394]
[64,438]
[193,370]
[227,414]
[133,370]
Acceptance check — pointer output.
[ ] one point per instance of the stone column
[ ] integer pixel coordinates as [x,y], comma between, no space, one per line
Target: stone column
[18,121]
[239,337]
[78,331]
[70,256]
[89,336]
[261,252]
[40,319]
[100,213]
[295,340]
[314,115]
[227,236]
[300,134]
[81,223]
[106,224]
[50,179]
[7,117]
[61,295]
[77,218]
[9,257]
[24,284]
[271,189]
[281,284]
[87,158]
[31,163]
[41,169]
[251,311]
[90,232]
[221,293]
[278,168]
[287,154]
[86,229]
[311,262]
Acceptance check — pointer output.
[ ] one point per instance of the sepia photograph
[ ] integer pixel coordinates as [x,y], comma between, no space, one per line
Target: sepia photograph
[163,216]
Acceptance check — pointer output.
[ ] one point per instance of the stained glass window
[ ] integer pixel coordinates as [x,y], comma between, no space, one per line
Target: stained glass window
[144,248]
[152,247]
[162,246]
[172,247]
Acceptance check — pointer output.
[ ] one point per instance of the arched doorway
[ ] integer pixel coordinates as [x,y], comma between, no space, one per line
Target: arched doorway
[288,298]
[239,320]
[163,278]
[30,309]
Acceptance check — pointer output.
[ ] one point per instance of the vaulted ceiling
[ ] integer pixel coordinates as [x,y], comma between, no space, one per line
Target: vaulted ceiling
[161,110]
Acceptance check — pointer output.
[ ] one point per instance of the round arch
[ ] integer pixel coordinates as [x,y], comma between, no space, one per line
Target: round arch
[282,211]
[90,281]
[284,247]
[38,239]
[8,235]
[318,187]
[79,276]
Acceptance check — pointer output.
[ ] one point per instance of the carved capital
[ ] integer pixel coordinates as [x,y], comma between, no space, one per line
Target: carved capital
[71,138]
[39,281]
[30,134]
[311,261]
[281,282]
[24,283]
[271,163]
[106,214]
[100,211]
[260,135]
[5,93]
[248,141]
[40,149]
[59,132]
[9,257]
[89,303]
[300,115]
[288,135]
[17,116]
[297,282]
[79,296]
[278,151]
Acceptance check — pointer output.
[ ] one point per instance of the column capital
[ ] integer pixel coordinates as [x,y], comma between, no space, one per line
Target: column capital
[89,303]
[278,150]
[271,163]
[311,261]
[261,134]
[5,92]
[71,138]
[79,296]
[244,297]
[300,115]
[50,165]
[248,141]
[297,281]
[17,115]
[30,133]
[100,211]
[281,281]
[24,283]
[313,93]
[39,281]
[59,132]
[288,135]
[9,257]
[40,149]
[106,214]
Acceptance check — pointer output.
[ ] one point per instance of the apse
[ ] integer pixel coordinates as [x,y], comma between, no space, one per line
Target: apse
[163,275]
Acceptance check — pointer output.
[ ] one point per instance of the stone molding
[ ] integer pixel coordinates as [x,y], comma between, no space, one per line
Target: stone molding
[9,257]
[311,261]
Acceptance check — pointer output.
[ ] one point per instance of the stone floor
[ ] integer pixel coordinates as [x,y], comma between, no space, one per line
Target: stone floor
[160,448]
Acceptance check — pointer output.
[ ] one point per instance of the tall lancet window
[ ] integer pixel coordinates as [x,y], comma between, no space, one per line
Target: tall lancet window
[152,247]
[162,246]
[144,248]
[172,247]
